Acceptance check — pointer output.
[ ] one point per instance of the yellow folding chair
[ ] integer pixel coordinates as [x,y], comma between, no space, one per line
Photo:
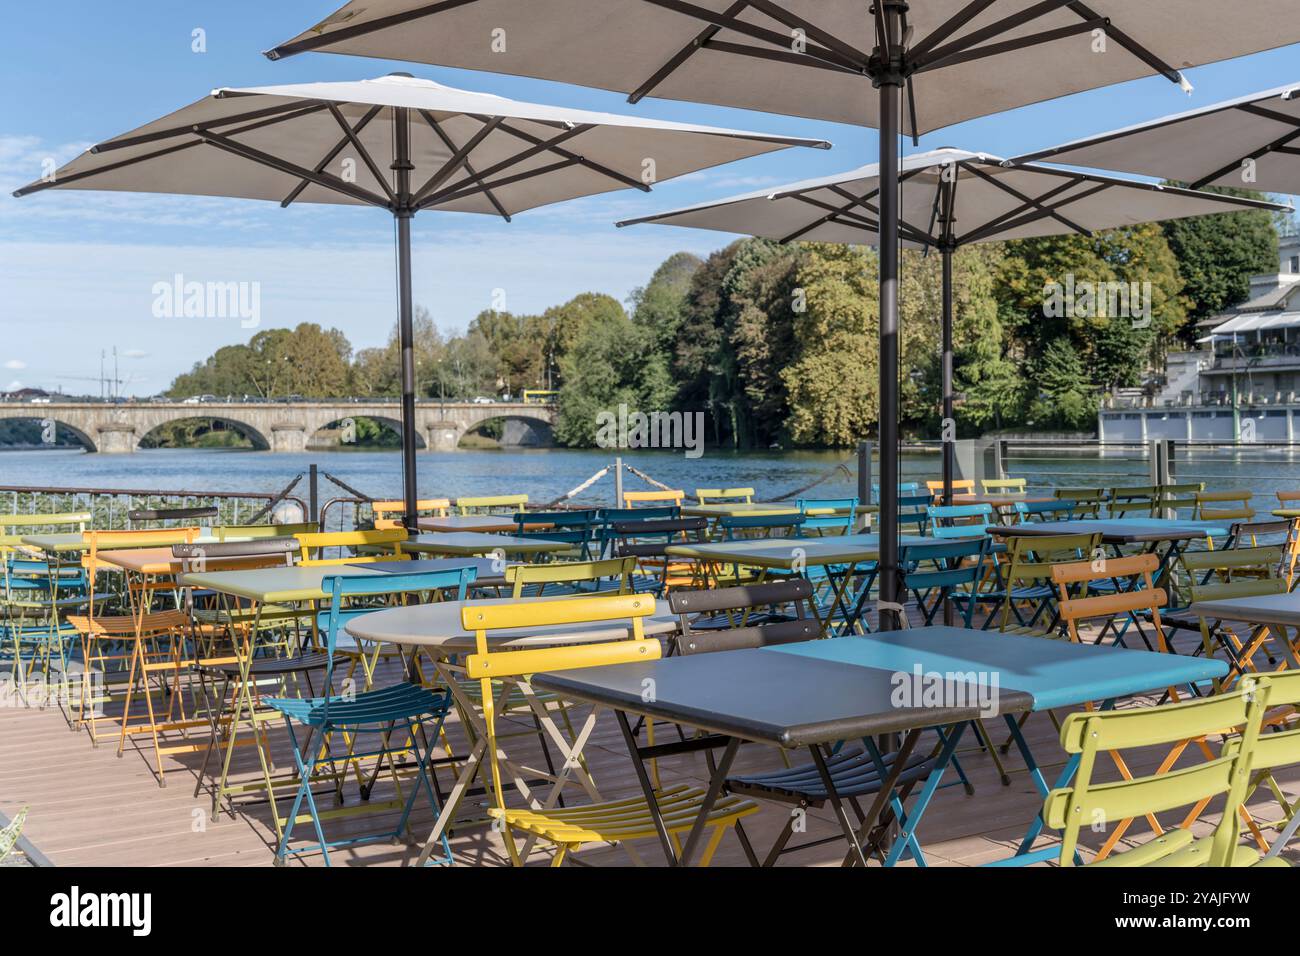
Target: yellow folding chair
[617,821]
[708,496]
[995,485]
[1094,804]
[435,507]
[633,499]
[492,504]
[380,541]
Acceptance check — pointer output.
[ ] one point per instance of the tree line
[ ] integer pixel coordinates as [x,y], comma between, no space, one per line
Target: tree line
[777,344]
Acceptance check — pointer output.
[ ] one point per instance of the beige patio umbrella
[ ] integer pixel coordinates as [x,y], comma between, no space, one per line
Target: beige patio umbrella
[1251,142]
[848,61]
[402,145]
[950,198]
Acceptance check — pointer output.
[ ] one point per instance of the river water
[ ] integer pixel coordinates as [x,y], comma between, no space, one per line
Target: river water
[546,474]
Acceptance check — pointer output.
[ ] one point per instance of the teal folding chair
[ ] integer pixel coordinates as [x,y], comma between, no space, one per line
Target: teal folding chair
[576,528]
[399,715]
[1056,510]
[841,521]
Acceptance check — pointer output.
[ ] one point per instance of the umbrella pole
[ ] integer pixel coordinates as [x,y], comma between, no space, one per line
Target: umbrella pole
[945,445]
[402,165]
[946,373]
[889,80]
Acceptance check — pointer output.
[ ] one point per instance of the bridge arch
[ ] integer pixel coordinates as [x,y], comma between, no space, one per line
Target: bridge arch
[61,428]
[255,437]
[391,425]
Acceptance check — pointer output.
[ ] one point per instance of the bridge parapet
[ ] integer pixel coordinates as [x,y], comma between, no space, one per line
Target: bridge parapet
[277,426]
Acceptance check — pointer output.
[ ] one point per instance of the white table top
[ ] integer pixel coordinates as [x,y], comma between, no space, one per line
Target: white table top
[439,626]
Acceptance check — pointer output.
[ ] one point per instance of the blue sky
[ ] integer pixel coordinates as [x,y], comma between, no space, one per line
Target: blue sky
[77,269]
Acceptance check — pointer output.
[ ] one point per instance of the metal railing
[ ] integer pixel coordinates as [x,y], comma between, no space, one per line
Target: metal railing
[109,506]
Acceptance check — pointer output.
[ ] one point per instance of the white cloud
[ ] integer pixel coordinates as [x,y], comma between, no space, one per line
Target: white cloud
[16,365]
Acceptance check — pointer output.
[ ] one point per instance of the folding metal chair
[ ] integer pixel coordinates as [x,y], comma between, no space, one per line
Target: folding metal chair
[675,808]
[576,528]
[647,542]
[399,715]
[841,519]
[1089,803]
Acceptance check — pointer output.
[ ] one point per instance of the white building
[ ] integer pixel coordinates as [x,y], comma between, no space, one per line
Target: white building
[1242,383]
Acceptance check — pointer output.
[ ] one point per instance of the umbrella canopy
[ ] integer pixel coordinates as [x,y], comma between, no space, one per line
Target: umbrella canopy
[404,145]
[852,61]
[969,57]
[1253,142]
[950,198]
[471,152]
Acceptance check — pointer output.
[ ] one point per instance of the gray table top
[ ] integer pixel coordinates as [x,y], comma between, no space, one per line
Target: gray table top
[439,626]
[1260,609]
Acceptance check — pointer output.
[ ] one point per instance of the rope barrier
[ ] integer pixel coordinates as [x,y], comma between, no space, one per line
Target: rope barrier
[841,468]
[578,490]
[348,488]
[270,505]
[647,479]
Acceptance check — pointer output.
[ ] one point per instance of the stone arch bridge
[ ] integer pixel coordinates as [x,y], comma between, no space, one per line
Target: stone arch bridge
[283,426]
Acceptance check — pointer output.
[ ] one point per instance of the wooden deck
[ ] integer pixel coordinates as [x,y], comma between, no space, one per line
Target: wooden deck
[91,808]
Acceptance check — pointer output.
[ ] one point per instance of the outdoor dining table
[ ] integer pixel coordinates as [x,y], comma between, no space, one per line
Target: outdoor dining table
[478,543]
[436,630]
[1003,503]
[488,524]
[1175,534]
[837,556]
[489,573]
[1268,614]
[816,694]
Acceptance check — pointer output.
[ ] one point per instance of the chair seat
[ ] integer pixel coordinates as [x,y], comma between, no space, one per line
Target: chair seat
[629,819]
[1176,848]
[296,664]
[852,772]
[398,702]
[125,625]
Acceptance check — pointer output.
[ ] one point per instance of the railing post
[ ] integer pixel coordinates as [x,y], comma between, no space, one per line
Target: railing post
[618,482]
[864,477]
[1000,448]
[1154,455]
[313,496]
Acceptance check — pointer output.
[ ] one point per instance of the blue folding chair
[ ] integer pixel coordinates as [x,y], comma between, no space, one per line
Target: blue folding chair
[844,514]
[567,527]
[401,711]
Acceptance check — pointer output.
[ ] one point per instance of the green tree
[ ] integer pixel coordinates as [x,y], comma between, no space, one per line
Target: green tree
[1218,254]
[833,378]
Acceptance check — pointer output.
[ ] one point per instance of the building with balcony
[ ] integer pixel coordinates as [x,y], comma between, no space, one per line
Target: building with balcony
[1242,383]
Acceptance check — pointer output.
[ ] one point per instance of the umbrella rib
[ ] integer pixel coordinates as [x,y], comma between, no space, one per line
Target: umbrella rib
[432,198]
[951,26]
[684,54]
[1048,212]
[1285,140]
[518,177]
[584,161]
[1257,110]
[329,157]
[851,54]
[365,153]
[361,29]
[1128,43]
[322,179]
[86,174]
[458,159]
[779,56]
[165,151]
[811,51]
[153,137]
[997,222]
[1010,46]
[995,29]
[1036,203]
[469,168]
